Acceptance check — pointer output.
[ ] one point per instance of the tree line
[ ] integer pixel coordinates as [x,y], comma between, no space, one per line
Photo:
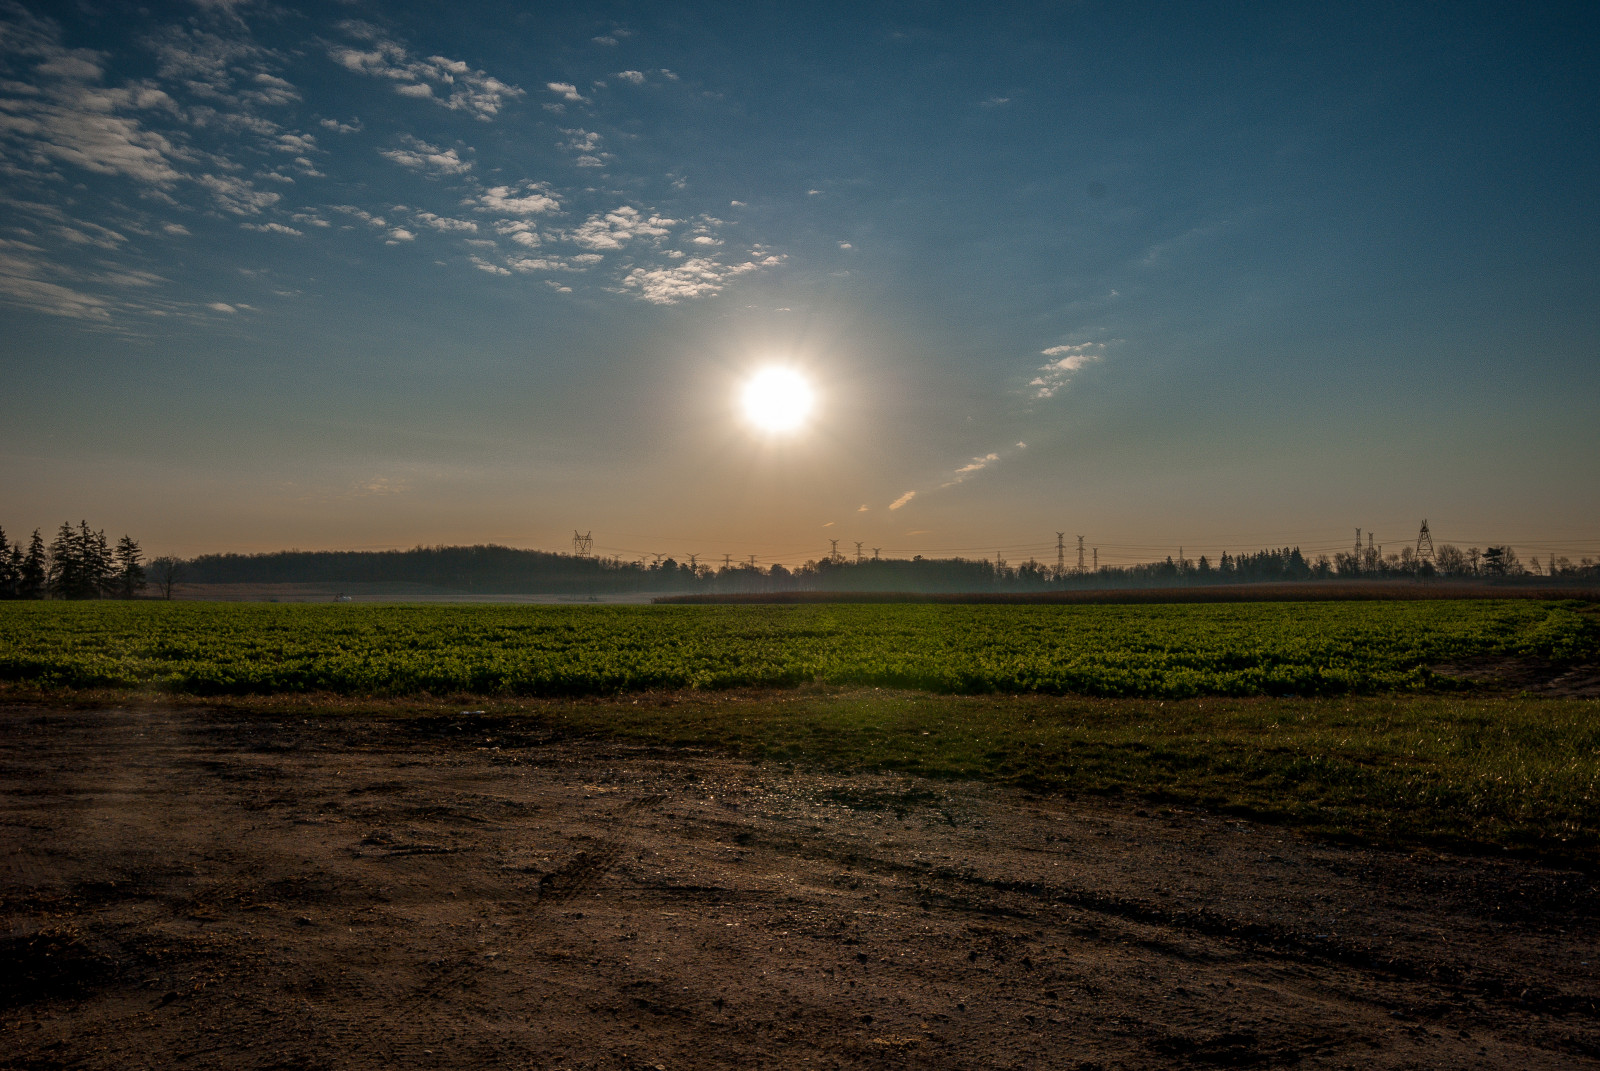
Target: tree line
[505,570]
[79,563]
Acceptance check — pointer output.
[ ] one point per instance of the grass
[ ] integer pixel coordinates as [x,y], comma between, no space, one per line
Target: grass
[1321,716]
[1498,773]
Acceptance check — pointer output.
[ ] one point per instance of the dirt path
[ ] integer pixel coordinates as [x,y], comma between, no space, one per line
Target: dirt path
[182,888]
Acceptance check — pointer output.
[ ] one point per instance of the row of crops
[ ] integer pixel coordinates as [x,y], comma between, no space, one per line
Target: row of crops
[1159,651]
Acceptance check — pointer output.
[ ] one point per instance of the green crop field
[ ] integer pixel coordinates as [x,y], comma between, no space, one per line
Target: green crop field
[1147,651]
[1320,715]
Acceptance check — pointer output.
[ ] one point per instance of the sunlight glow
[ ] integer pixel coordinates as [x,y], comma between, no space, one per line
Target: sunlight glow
[777,399]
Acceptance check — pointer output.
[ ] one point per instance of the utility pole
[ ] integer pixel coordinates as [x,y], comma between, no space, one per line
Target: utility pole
[858,552]
[582,544]
[1061,554]
[1080,555]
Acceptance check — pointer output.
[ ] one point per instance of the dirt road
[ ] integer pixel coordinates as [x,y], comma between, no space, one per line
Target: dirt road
[184,888]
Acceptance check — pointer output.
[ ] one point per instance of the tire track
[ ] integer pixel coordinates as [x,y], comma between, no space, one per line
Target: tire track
[587,867]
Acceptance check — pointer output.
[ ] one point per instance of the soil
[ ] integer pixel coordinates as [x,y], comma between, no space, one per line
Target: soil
[1535,676]
[184,887]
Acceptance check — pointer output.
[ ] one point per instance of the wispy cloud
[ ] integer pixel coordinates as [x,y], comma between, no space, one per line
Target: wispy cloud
[418,155]
[24,282]
[1065,361]
[450,83]
[971,468]
[902,500]
[447,224]
[696,277]
[525,199]
[614,229]
[237,195]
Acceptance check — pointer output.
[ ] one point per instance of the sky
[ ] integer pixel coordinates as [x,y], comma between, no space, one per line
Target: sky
[1165,275]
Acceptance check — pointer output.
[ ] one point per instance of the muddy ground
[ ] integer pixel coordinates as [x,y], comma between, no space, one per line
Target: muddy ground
[184,888]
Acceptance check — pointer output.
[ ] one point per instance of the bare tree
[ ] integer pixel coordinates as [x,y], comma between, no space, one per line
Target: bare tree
[166,571]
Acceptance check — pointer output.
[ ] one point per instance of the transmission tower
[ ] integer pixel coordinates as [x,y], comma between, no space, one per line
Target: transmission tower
[582,544]
[752,561]
[1358,544]
[875,553]
[833,551]
[1061,553]
[1424,544]
[1097,559]
[858,551]
[727,561]
[657,557]
[694,565]
[1080,555]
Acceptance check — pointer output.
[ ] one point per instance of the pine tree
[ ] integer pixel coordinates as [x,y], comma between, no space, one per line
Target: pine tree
[100,568]
[130,570]
[8,568]
[65,576]
[34,574]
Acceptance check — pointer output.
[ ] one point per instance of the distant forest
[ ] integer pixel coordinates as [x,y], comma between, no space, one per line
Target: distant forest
[81,564]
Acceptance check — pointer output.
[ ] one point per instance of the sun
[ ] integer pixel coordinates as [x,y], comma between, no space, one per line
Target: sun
[777,400]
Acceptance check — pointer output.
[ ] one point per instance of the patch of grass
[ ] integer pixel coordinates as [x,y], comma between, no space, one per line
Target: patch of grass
[1495,772]
[1518,773]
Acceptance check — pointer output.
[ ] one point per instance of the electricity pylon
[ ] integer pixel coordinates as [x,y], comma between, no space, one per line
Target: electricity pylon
[582,544]
[1424,544]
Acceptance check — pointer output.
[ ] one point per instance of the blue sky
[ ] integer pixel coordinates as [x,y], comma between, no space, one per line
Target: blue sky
[1167,275]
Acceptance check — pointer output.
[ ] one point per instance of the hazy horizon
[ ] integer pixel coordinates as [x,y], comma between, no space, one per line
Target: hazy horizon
[279,276]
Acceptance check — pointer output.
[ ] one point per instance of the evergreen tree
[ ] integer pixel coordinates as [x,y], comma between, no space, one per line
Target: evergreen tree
[34,575]
[81,565]
[65,576]
[10,564]
[100,566]
[130,570]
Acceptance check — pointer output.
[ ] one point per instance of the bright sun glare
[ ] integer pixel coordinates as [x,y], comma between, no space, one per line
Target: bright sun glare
[777,399]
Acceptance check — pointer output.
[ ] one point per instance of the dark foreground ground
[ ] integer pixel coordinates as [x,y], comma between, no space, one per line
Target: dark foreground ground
[187,888]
